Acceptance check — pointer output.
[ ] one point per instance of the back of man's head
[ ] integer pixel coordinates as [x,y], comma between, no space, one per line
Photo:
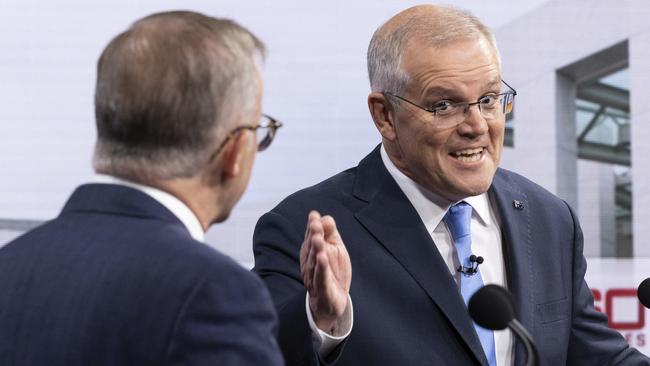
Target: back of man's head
[420,26]
[167,89]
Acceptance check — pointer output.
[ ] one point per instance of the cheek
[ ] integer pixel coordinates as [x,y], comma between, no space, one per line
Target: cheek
[497,133]
[436,145]
[431,155]
[497,142]
[424,147]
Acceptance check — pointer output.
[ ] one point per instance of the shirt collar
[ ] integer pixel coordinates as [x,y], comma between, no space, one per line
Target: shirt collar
[430,206]
[173,204]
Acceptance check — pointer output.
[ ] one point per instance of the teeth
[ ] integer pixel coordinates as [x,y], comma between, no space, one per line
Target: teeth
[468,152]
[469,159]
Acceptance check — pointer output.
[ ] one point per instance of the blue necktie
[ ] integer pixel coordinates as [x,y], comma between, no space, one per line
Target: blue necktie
[458,220]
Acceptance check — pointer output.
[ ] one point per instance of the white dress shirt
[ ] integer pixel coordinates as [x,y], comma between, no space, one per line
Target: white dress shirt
[173,204]
[486,240]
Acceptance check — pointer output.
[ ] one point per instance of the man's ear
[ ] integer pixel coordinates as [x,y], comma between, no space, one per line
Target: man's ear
[231,159]
[382,114]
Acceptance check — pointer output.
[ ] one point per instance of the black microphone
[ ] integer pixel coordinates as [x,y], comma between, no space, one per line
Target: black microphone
[491,307]
[469,271]
[643,292]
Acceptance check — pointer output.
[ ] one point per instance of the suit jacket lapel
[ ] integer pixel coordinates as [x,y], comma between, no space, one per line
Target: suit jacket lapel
[395,224]
[515,216]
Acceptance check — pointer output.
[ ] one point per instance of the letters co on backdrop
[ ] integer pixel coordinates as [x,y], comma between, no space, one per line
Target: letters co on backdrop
[613,283]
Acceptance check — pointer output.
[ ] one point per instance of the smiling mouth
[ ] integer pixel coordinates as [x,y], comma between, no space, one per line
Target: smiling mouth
[468,155]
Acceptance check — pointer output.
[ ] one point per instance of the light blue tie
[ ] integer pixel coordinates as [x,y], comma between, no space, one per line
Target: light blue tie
[458,220]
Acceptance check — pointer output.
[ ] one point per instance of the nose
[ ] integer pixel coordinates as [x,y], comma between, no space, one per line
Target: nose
[474,123]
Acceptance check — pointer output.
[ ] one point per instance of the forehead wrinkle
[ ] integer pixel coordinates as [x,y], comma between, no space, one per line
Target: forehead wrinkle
[440,92]
[429,75]
[436,66]
[451,85]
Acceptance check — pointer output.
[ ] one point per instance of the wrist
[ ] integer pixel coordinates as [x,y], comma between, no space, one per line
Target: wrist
[326,325]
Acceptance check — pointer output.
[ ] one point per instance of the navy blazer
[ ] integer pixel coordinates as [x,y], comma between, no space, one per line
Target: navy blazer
[407,308]
[117,279]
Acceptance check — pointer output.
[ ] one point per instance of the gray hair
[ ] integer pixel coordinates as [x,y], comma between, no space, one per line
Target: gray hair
[432,26]
[165,89]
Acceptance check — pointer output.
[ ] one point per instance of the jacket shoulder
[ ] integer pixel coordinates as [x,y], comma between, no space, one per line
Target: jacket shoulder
[332,189]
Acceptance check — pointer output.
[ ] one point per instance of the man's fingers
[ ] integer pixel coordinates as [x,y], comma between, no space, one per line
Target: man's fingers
[329,230]
[304,250]
[321,273]
[316,245]
[322,257]
[308,267]
[304,261]
[313,226]
[313,216]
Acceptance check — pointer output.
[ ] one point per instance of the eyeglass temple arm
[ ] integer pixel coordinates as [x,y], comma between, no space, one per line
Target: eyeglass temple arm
[508,85]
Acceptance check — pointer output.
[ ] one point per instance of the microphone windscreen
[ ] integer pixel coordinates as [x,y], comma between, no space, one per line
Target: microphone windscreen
[491,307]
[643,292]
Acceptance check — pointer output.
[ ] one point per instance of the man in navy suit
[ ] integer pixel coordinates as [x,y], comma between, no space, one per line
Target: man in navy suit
[415,210]
[122,276]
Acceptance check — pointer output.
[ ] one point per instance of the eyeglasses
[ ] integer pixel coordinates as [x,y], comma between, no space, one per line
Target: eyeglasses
[264,133]
[446,114]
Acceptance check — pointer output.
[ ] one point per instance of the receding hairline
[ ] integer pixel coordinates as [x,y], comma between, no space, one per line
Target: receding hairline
[443,15]
[430,26]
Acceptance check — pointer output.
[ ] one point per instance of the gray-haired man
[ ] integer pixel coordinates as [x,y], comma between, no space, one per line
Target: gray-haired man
[122,276]
[414,211]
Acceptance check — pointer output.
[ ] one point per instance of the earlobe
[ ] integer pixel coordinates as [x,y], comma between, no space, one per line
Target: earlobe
[381,113]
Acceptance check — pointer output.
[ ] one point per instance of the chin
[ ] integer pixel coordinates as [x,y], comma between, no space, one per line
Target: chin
[475,189]
[476,184]
[476,192]
[221,218]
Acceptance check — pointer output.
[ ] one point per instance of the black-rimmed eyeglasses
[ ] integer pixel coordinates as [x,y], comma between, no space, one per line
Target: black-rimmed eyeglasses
[264,132]
[446,114]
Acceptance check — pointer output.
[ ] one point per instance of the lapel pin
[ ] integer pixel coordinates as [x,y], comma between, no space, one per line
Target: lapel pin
[518,204]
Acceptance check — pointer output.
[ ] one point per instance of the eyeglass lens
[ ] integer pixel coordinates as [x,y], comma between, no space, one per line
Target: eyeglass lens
[265,132]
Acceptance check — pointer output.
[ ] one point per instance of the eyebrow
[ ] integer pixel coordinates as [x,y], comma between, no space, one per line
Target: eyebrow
[496,83]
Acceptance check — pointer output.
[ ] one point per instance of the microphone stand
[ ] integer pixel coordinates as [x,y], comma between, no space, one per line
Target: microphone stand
[531,351]
[491,307]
